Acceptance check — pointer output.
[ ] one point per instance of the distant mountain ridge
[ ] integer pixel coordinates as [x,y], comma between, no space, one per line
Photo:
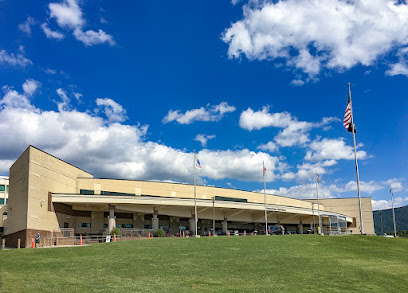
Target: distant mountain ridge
[401,219]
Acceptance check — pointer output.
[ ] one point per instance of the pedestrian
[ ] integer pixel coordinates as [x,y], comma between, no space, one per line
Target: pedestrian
[37,239]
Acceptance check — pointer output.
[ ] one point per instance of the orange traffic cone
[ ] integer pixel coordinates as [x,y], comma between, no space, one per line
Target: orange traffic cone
[80,239]
[32,243]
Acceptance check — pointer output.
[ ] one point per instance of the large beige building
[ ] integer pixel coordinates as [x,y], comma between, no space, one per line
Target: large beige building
[48,194]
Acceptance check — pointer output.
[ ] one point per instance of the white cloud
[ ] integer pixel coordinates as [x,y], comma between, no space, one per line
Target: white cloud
[251,120]
[26,26]
[304,191]
[395,184]
[208,113]
[50,33]
[64,104]
[14,59]
[387,204]
[366,187]
[30,86]
[332,149]
[114,149]
[203,138]
[239,164]
[315,34]
[294,132]
[67,14]
[12,99]
[307,171]
[308,191]
[90,37]
[78,96]
[400,68]
[113,111]
[297,82]
[268,147]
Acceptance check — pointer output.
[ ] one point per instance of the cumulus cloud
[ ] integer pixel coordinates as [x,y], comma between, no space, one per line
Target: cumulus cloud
[306,171]
[387,204]
[332,149]
[308,191]
[294,132]
[312,35]
[395,184]
[13,99]
[268,147]
[68,15]
[203,138]
[26,26]
[50,33]
[400,68]
[113,111]
[304,191]
[208,113]
[14,59]
[30,86]
[113,149]
[90,37]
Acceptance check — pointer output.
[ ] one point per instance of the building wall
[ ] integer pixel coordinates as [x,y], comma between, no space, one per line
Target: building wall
[349,207]
[32,177]
[182,191]
[4,189]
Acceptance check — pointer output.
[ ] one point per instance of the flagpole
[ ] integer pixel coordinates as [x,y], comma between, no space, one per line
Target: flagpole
[393,213]
[266,214]
[355,158]
[195,197]
[319,231]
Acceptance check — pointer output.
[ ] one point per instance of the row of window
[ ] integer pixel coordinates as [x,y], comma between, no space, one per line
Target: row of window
[103,192]
[3,187]
[2,200]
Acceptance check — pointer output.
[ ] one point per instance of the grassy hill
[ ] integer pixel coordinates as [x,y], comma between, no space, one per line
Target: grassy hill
[290,263]
[401,219]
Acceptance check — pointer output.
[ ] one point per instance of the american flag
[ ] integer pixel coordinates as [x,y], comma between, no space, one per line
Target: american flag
[348,119]
[198,165]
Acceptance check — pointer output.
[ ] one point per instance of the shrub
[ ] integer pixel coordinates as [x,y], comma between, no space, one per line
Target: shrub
[116,231]
[160,233]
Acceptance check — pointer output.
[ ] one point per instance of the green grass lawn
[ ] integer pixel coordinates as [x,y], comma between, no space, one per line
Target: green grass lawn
[290,263]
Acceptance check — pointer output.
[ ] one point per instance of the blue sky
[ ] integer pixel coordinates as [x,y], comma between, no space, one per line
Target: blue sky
[129,89]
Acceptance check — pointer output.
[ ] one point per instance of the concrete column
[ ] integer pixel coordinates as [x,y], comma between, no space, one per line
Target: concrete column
[224,225]
[155,220]
[112,218]
[192,226]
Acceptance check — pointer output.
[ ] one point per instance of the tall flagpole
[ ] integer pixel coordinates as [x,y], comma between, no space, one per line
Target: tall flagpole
[266,214]
[393,213]
[195,196]
[319,231]
[355,158]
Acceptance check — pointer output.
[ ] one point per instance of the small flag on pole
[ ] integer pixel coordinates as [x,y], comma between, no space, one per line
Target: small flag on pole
[198,165]
[264,170]
[317,177]
[348,117]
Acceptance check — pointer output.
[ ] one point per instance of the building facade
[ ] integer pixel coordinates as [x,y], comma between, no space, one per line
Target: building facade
[48,194]
[4,190]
